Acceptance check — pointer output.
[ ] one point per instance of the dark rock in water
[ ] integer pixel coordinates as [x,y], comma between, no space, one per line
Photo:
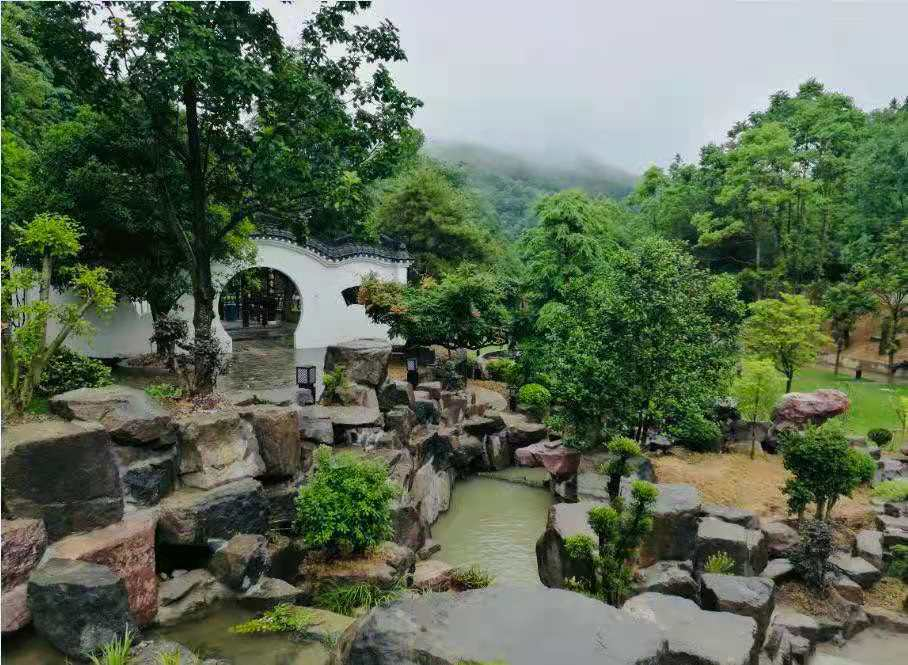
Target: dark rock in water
[241,562]
[152,652]
[747,596]
[525,626]
[192,593]
[129,415]
[63,473]
[192,517]
[364,360]
[409,527]
[746,518]
[269,592]
[78,606]
[672,578]
[746,546]
[564,520]
[695,636]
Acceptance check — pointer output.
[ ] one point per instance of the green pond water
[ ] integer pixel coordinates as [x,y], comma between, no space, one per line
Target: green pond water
[494,524]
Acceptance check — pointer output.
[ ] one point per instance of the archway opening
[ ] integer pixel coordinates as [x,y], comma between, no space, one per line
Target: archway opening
[260,303]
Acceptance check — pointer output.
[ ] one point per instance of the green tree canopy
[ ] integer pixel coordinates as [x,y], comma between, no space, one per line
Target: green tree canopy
[756,391]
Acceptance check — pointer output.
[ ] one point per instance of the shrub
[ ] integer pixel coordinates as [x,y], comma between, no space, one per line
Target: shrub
[348,598]
[825,467]
[811,557]
[892,490]
[169,332]
[172,658]
[620,529]
[451,374]
[164,391]
[335,382]
[283,618]
[473,577]
[537,398]
[115,652]
[346,507]
[880,436]
[898,563]
[505,370]
[720,563]
[621,449]
[695,432]
[68,370]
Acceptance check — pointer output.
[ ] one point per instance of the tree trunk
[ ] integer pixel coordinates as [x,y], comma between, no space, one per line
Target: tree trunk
[788,379]
[753,439]
[821,509]
[838,355]
[204,356]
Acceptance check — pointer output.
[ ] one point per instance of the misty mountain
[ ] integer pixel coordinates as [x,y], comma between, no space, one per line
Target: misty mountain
[511,182]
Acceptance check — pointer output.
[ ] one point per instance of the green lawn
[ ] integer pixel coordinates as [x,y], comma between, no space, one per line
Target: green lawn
[871,399]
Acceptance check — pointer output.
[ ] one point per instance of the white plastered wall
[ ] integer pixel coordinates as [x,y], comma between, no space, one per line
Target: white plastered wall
[324,319]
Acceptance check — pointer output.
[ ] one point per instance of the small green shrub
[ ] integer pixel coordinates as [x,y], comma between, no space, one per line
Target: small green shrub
[880,436]
[172,658]
[67,370]
[115,652]
[811,557]
[164,391]
[697,433]
[473,577]
[503,369]
[621,449]
[537,398]
[169,332]
[346,507]
[348,598]
[720,563]
[892,490]
[452,374]
[283,618]
[334,381]
[898,564]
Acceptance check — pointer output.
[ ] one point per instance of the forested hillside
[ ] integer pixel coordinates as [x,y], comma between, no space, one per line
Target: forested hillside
[511,183]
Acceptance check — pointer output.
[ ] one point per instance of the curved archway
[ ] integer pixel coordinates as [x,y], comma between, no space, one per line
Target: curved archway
[260,302]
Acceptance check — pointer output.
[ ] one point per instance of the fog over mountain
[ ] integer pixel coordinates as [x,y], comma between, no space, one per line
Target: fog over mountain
[629,83]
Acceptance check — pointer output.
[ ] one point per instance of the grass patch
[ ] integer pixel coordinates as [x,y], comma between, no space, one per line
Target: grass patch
[349,598]
[892,490]
[39,406]
[871,399]
[284,618]
[473,577]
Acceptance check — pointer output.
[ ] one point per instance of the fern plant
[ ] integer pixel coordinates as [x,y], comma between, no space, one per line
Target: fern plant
[719,563]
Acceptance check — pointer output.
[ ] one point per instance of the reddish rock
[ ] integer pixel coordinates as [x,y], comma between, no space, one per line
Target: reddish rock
[15,613]
[529,455]
[815,407]
[558,460]
[127,548]
[24,541]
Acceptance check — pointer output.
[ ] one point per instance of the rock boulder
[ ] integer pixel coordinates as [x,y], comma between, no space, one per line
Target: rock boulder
[241,562]
[127,549]
[747,596]
[63,473]
[564,520]
[529,626]
[746,546]
[130,416]
[78,606]
[191,593]
[675,516]
[673,578]
[217,448]
[815,407]
[277,430]
[191,517]
[364,360]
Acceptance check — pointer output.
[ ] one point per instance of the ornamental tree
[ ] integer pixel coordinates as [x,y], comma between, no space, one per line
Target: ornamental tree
[845,303]
[756,391]
[786,331]
[48,238]
[825,468]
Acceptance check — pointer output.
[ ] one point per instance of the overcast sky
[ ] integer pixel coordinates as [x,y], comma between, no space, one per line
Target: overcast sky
[630,83]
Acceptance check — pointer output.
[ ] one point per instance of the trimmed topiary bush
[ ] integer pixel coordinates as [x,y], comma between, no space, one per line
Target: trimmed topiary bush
[346,507]
[67,370]
[537,398]
[880,436]
[503,369]
[697,433]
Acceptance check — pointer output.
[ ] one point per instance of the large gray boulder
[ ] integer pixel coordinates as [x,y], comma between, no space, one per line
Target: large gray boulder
[675,516]
[192,517]
[855,568]
[268,592]
[276,429]
[147,475]
[868,545]
[781,539]
[78,606]
[63,473]
[564,520]
[364,360]
[746,546]
[673,578]
[695,636]
[746,518]
[431,491]
[395,393]
[529,626]
[130,416]
[217,448]
[752,597]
